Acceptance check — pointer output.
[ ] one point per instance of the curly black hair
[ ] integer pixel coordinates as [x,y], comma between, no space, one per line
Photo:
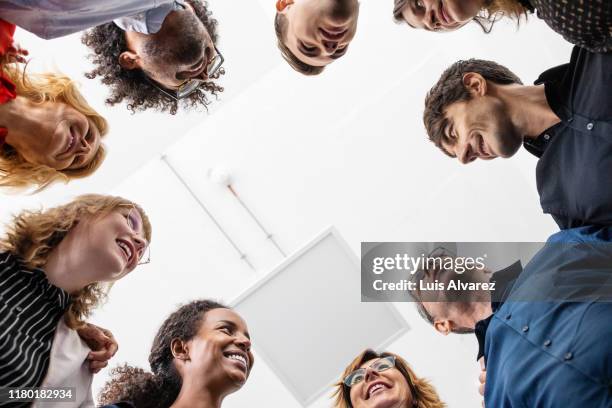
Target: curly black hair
[108,41]
[160,388]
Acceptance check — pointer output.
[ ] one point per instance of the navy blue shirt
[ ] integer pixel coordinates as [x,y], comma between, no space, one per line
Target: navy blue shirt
[574,173]
[552,352]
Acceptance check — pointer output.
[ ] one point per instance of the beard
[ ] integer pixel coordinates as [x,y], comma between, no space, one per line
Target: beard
[182,44]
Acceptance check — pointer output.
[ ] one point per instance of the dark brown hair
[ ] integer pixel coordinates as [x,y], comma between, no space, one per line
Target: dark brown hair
[107,42]
[450,89]
[280,26]
[423,393]
[160,388]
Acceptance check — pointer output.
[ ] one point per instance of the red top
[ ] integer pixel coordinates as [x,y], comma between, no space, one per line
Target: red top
[7,88]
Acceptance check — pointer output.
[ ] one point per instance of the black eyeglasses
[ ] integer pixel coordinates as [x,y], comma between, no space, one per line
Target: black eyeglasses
[213,69]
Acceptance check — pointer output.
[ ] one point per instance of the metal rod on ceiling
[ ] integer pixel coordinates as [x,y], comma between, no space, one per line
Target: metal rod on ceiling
[269,235]
[242,255]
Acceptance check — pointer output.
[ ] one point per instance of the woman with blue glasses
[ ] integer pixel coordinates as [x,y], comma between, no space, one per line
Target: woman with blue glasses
[383,380]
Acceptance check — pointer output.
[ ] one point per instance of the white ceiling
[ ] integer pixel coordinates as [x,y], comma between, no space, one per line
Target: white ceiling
[346,149]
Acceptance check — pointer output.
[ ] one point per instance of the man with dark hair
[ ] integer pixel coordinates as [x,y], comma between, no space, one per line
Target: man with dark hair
[155,59]
[544,330]
[480,109]
[314,33]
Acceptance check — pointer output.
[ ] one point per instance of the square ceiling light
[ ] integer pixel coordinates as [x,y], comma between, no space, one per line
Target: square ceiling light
[307,320]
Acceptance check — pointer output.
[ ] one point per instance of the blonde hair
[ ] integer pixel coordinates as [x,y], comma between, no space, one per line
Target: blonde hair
[15,171]
[423,393]
[34,234]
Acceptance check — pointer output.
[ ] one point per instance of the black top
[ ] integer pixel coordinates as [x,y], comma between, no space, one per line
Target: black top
[504,280]
[30,309]
[574,173]
[586,23]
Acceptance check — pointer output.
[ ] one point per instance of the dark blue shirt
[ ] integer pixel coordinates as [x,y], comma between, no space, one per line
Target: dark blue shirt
[543,348]
[574,173]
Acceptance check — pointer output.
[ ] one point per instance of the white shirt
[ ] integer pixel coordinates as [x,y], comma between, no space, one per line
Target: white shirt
[69,367]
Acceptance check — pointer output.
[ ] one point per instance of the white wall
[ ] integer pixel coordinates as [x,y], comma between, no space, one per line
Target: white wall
[347,149]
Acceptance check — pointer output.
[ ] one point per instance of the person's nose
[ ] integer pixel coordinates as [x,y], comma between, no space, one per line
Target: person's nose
[140,243]
[330,46]
[430,19]
[371,375]
[243,342]
[466,153]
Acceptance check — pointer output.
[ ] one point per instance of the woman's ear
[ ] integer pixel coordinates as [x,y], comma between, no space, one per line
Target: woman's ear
[281,5]
[180,349]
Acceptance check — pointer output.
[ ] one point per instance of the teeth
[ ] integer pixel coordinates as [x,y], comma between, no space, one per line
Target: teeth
[237,357]
[126,248]
[374,388]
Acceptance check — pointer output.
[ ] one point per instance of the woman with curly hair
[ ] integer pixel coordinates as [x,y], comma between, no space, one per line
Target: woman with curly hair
[383,380]
[157,69]
[48,132]
[59,264]
[201,354]
[586,23]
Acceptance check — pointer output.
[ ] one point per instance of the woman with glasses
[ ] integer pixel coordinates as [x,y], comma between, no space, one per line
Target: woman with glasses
[48,132]
[200,355]
[58,265]
[383,380]
[586,23]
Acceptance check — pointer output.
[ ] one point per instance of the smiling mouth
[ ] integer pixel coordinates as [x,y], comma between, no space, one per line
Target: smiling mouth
[240,359]
[126,249]
[375,389]
[446,19]
[333,34]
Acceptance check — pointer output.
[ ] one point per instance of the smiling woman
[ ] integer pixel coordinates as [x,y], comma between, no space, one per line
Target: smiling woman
[52,134]
[383,380]
[59,263]
[201,353]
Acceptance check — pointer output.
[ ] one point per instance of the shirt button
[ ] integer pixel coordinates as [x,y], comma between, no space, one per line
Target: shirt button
[589,126]
[568,356]
[525,329]
[546,136]
[18,309]
[547,343]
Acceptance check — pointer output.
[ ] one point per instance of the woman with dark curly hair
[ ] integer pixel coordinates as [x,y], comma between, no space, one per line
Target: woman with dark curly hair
[383,380]
[586,23]
[59,264]
[156,70]
[201,354]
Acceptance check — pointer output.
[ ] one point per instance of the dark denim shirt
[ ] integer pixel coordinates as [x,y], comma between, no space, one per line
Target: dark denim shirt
[545,349]
[574,173]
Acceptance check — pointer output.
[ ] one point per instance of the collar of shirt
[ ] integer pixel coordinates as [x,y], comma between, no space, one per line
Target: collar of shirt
[504,280]
[150,21]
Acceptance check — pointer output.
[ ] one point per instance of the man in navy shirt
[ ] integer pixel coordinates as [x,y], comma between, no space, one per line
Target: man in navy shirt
[544,331]
[481,110]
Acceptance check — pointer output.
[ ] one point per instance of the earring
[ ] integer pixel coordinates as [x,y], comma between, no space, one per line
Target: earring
[282,4]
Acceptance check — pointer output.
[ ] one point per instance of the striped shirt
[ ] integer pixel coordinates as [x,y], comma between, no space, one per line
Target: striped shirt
[30,309]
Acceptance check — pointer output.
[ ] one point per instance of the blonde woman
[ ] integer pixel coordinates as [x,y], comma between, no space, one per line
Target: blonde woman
[58,264]
[383,380]
[48,132]
[586,23]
